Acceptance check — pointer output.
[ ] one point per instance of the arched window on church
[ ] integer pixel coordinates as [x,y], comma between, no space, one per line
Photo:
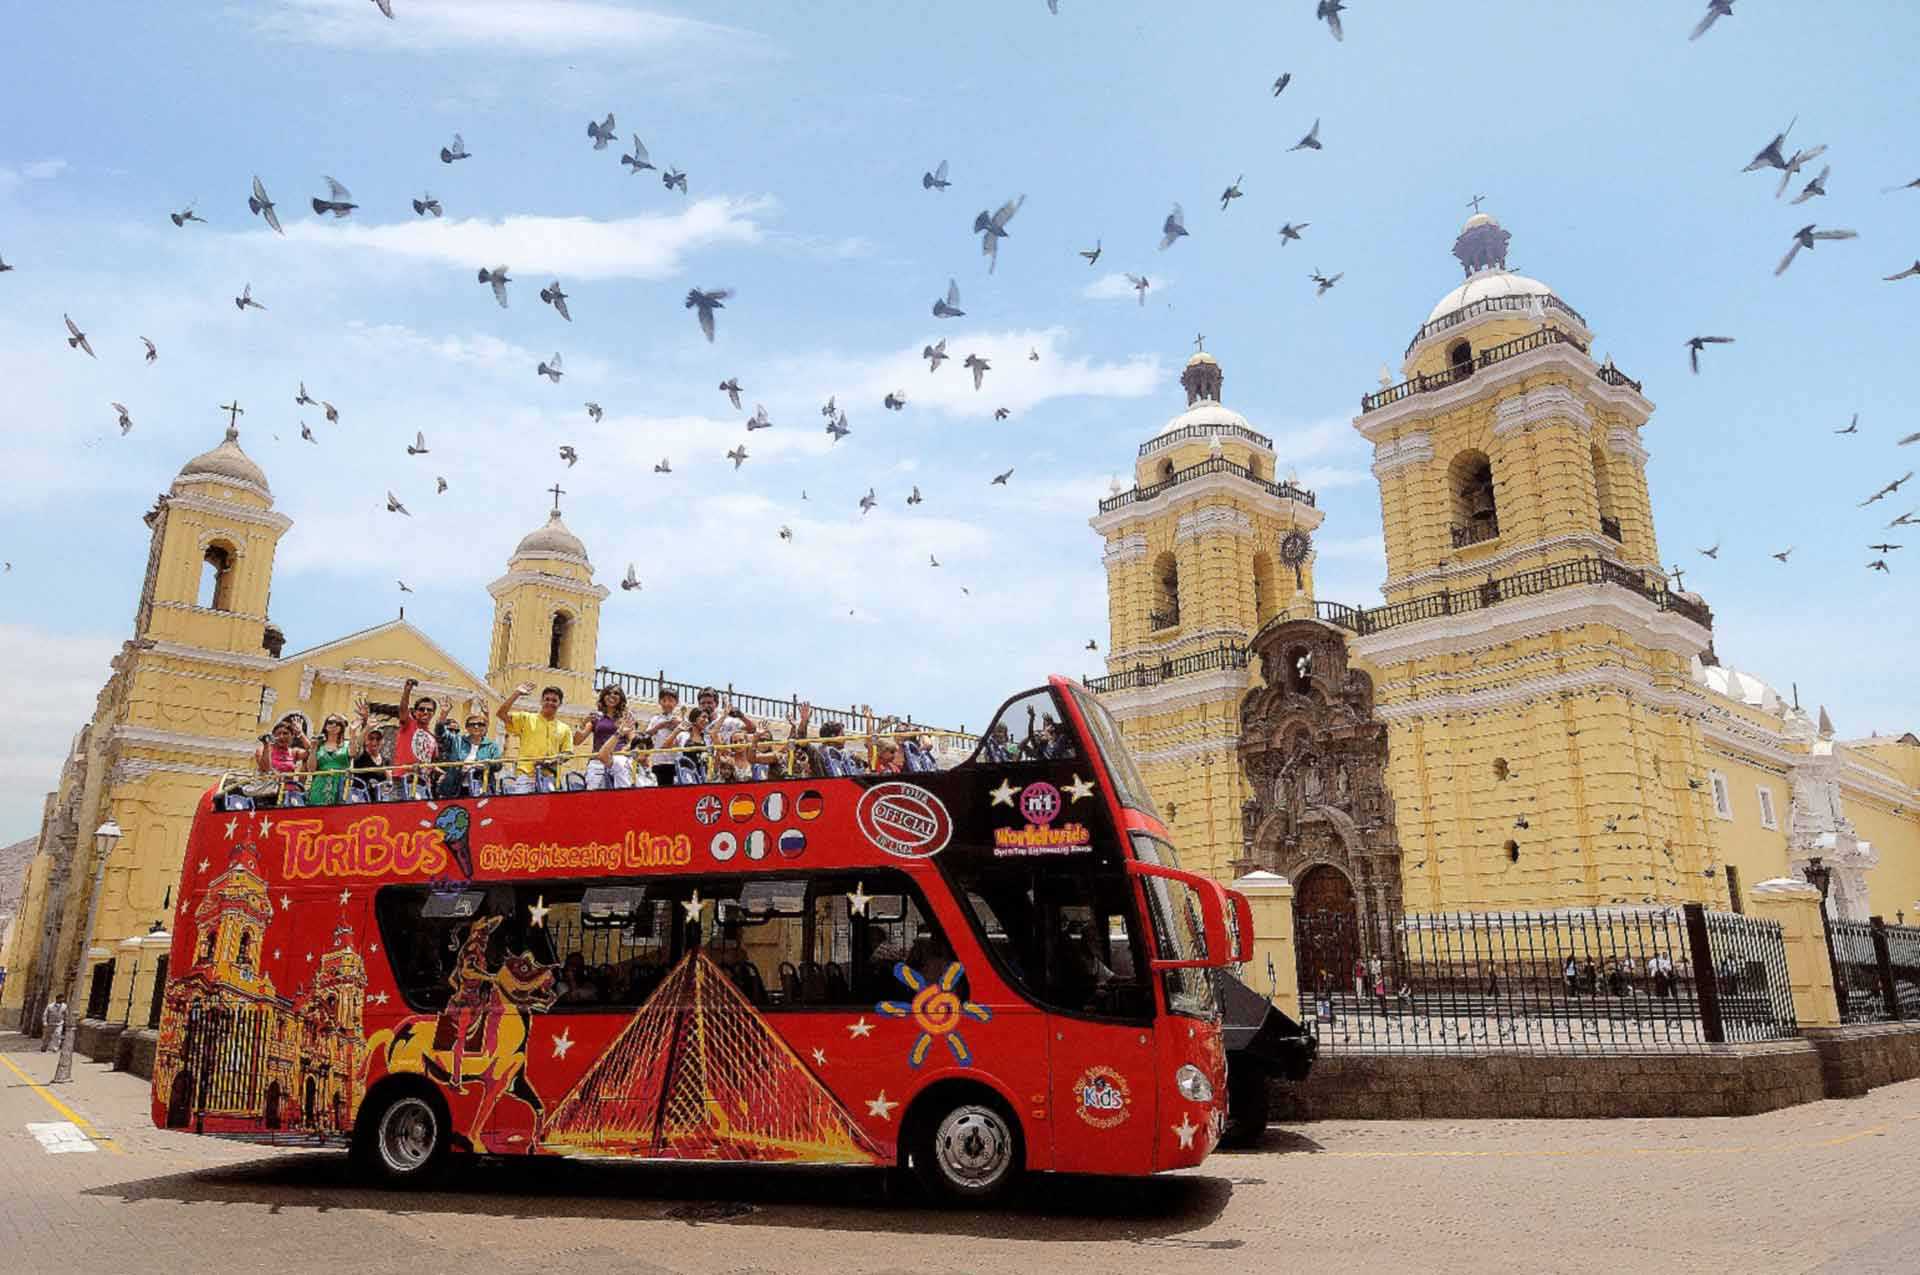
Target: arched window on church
[1460,359]
[502,640]
[216,577]
[560,647]
[1470,485]
[1603,495]
[1266,598]
[1166,470]
[1165,612]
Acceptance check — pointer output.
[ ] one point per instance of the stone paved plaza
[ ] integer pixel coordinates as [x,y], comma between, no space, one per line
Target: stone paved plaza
[1823,1187]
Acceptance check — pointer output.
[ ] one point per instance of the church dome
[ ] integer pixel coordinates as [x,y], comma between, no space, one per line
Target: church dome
[1201,357]
[227,463]
[1206,413]
[551,540]
[1486,286]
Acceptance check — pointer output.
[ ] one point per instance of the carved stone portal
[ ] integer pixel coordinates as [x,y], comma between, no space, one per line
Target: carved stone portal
[1315,758]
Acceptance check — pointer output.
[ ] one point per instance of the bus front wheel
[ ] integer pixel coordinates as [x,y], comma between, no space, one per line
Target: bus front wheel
[967,1151]
[400,1138]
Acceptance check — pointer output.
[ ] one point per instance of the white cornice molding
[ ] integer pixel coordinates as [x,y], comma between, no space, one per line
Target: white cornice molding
[1377,424]
[1595,544]
[178,493]
[1413,448]
[268,518]
[549,555]
[133,769]
[1124,549]
[191,609]
[1201,522]
[1216,486]
[1531,617]
[228,659]
[1226,685]
[559,584]
[1535,407]
[1604,677]
[147,737]
[1624,440]
[1223,745]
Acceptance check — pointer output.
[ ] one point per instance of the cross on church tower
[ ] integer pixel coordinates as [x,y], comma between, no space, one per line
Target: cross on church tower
[1200,342]
[1677,576]
[557,493]
[1476,201]
[234,412]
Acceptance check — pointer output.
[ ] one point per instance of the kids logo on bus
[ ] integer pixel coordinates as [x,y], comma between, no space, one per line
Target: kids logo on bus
[904,820]
[1102,1095]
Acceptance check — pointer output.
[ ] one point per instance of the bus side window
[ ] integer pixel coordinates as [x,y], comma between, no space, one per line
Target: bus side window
[1065,936]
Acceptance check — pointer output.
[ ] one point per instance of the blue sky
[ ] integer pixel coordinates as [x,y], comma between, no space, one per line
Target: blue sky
[1606,142]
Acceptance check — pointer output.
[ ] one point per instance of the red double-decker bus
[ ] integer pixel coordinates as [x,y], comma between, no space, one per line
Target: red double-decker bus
[969,973]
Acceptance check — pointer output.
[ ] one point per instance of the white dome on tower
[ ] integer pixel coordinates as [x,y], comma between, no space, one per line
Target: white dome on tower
[552,541]
[226,462]
[1204,413]
[1487,285]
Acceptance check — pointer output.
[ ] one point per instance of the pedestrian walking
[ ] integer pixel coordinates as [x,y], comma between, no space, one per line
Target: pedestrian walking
[54,1020]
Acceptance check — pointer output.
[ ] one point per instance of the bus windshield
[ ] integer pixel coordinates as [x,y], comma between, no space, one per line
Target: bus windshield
[1127,782]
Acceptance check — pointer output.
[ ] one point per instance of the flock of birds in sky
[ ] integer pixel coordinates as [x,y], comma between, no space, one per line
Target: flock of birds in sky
[992,227]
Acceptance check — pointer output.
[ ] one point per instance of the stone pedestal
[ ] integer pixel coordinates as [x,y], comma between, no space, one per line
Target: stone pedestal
[1796,906]
[1271,898]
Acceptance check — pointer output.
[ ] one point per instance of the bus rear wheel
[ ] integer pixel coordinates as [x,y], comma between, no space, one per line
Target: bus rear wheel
[400,1139]
[967,1152]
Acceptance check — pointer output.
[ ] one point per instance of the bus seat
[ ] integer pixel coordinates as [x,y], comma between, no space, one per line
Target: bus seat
[837,991]
[813,984]
[576,782]
[357,791]
[789,983]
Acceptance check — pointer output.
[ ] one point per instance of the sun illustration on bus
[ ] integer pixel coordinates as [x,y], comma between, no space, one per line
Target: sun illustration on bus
[936,1009]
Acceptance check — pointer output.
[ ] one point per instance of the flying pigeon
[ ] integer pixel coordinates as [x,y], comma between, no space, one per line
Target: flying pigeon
[78,341]
[1140,284]
[1910,438]
[419,445]
[1911,518]
[895,401]
[1174,227]
[1092,255]
[1280,85]
[1092,645]
[593,411]
[307,434]
[1000,480]
[932,561]
[827,409]
[394,506]
[1908,273]
[1001,413]
[1818,186]
[1794,165]
[664,468]
[1852,427]
[498,278]
[639,159]
[1782,555]
[302,398]
[1888,490]
[1716,10]
[552,295]
[732,386]
[1805,237]
[837,428]
[948,307]
[1033,355]
[1912,185]
[867,502]
[186,215]
[402,583]
[245,300]
[915,498]
[759,419]
[260,205]
[1330,11]
[1311,141]
[674,177]
[1289,231]
[152,352]
[125,422]
[1710,553]
[569,455]
[738,456]
[601,133]
[707,303]
[1878,564]
[456,151]
[551,369]
[1231,193]
[935,354]
[1695,344]
[786,533]
[4,267]
[937,179]
[426,204]
[1770,155]
[333,413]
[992,228]
[632,579]
[386,7]
[979,367]
[439,486]
[339,201]
[1883,548]
[1323,283]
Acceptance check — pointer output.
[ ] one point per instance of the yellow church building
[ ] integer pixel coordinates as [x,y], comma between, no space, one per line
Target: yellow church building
[1535,718]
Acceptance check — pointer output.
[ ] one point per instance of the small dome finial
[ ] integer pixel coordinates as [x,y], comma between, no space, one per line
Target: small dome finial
[1482,242]
[1202,377]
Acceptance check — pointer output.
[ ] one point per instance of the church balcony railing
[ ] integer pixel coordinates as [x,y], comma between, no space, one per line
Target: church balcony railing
[1158,620]
[1610,527]
[1479,597]
[1475,533]
[1426,383]
[642,689]
[1493,305]
[1228,655]
[1614,376]
[1212,465]
[1187,433]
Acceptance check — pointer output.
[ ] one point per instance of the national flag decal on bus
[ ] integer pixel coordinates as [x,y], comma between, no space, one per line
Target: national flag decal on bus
[774,806]
[809,804]
[740,807]
[756,844]
[793,842]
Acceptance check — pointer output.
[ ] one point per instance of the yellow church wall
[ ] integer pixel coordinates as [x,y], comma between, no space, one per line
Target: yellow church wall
[23,937]
[1482,333]
[1743,838]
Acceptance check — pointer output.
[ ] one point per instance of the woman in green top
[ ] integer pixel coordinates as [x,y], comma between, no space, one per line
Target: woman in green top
[330,761]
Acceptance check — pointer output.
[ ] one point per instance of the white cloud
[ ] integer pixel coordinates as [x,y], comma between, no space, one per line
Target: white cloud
[48,697]
[519,26]
[40,170]
[645,247]
[1116,287]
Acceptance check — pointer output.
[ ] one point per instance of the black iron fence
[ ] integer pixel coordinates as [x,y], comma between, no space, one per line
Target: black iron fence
[1212,465]
[1426,382]
[1477,597]
[1876,970]
[1573,981]
[1491,305]
[1226,655]
[1191,433]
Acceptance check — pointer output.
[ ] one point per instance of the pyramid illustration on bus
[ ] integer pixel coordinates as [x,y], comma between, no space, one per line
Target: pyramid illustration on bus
[699,1074]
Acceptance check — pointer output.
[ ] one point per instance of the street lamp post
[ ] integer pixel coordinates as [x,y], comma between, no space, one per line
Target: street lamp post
[1820,877]
[105,838]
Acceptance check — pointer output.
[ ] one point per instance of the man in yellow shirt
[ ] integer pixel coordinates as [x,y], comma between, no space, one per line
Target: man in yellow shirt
[545,741]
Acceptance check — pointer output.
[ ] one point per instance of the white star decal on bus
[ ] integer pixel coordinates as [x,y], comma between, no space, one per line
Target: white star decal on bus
[562,1043]
[265,824]
[693,907]
[537,912]
[203,865]
[860,1027]
[1185,1131]
[276,953]
[1003,795]
[857,899]
[1078,788]
[378,998]
[819,1057]
[345,896]
[286,902]
[233,825]
[881,1107]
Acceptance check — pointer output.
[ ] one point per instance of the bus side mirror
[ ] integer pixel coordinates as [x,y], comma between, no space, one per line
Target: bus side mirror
[1214,900]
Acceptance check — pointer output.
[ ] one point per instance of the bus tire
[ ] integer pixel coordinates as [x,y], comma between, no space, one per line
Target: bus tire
[1249,1105]
[965,1148]
[401,1136]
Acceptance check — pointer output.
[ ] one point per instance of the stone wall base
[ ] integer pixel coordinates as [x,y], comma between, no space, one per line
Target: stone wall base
[10,1019]
[96,1039]
[134,1052]
[1858,1058]
[1730,1080]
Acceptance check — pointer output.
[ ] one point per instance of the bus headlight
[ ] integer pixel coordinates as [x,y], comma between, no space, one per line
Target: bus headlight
[1193,1084]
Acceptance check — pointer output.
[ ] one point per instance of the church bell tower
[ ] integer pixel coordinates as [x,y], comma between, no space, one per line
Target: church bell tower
[546,617]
